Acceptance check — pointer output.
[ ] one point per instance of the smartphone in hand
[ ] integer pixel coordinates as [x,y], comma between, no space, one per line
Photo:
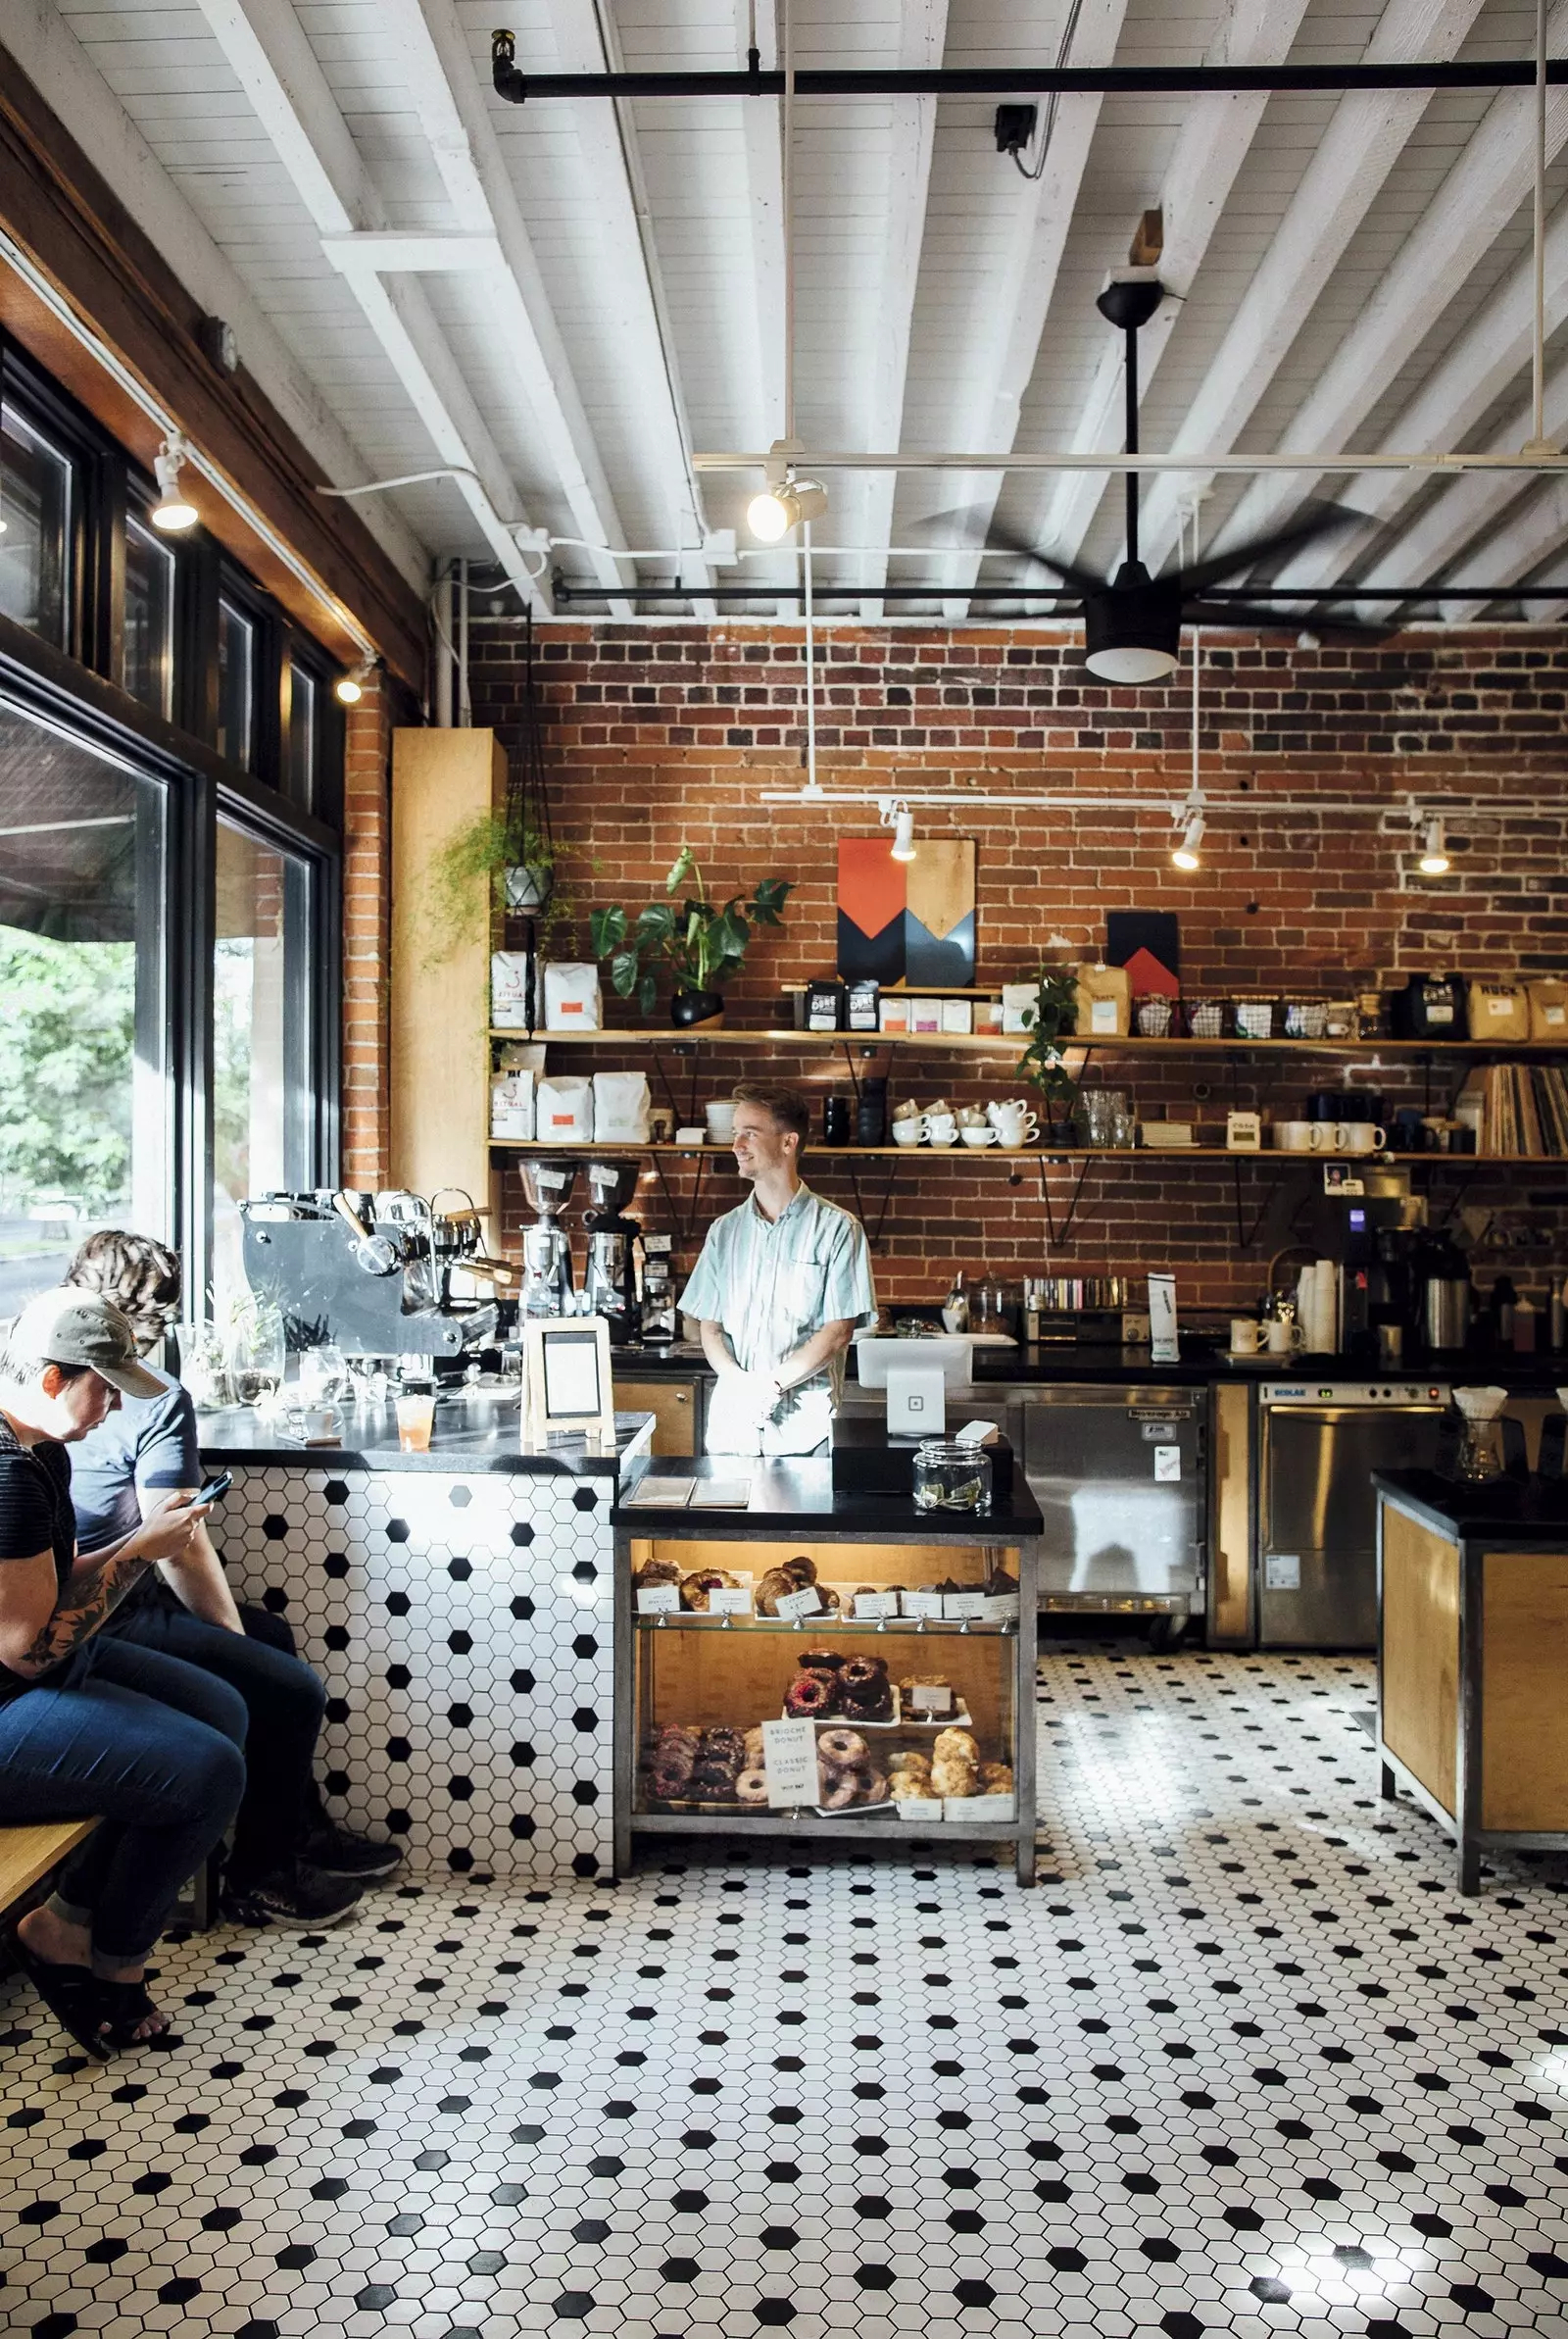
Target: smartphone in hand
[214,1489]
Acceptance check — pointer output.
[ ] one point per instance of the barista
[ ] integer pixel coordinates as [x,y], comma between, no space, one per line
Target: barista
[780,1286]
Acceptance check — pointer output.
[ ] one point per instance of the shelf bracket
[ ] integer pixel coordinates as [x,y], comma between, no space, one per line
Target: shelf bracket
[1057,1235]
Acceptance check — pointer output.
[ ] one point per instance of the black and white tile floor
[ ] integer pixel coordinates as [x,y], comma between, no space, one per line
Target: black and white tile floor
[1244,2063]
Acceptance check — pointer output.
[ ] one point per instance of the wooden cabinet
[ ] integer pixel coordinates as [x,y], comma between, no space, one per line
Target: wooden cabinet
[676,1408]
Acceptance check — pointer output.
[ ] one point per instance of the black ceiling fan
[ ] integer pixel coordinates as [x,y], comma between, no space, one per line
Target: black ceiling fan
[1133,622]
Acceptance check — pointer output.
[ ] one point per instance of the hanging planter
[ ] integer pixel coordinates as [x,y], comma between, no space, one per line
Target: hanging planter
[528,886]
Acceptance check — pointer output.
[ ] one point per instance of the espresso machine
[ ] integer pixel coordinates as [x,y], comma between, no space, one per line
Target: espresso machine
[611,1282]
[368,1273]
[547,1288]
[1378,1238]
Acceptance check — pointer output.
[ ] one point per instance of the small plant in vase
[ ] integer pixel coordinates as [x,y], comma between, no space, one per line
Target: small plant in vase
[704,941]
[1052,1018]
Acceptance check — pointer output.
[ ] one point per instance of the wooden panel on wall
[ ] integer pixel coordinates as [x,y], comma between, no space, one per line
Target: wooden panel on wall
[440,1005]
[1524,1736]
[1421,1653]
[673,1405]
[1230,1603]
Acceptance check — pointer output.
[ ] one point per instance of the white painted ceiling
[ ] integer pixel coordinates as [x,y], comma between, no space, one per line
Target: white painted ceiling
[1343,271]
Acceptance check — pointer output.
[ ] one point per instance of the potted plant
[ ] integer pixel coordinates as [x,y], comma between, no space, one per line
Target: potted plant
[490,865]
[705,942]
[1052,1018]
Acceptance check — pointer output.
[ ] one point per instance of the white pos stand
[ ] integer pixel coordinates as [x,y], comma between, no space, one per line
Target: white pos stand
[916,1375]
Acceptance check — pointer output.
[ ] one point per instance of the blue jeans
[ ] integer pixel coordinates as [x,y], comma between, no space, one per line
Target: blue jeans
[149,1746]
[284,1701]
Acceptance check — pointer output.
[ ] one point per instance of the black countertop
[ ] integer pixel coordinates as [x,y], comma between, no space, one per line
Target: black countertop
[465,1439]
[796,1497]
[1502,1510]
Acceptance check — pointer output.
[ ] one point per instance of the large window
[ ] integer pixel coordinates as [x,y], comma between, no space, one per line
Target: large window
[236,685]
[263,1098]
[35,505]
[85,1120]
[150,575]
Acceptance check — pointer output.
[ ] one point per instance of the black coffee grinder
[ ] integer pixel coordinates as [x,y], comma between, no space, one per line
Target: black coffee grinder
[611,1284]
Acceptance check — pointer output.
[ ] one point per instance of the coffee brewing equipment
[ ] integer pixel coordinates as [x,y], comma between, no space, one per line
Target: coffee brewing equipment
[547,1287]
[368,1273]
[611,1282]
[661,1319]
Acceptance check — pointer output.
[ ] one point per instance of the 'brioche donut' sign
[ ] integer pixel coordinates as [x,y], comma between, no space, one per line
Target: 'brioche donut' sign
[789,1763]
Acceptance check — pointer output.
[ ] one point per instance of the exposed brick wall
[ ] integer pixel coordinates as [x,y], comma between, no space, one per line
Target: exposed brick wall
[665,735]
[367,936]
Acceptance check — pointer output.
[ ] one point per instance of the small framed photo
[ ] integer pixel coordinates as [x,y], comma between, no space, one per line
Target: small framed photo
[567,1383]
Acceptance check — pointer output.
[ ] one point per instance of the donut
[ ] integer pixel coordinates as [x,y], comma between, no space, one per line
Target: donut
[821,1661]
[873,1705]
[724,1742]
[752,1787]
[877,1788]
[673,1762]
[775,1586]
[839,1789]
[801,1572]
[695,1588]
[668,1786]
[955,1746]
[712,1782]
[754,1749]
[839,1747]
[812,1693]
[861,1674]
[657,1571]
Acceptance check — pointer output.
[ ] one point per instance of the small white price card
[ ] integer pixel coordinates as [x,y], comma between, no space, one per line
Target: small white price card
[921,1604]
[789,1763]
[977,1810]
[801,1603]
[964,1608]
[730,1603]
[922,1809]
[1167,1464]
[930,1696]
[658,1600]
[876,1603]
[1001,1608]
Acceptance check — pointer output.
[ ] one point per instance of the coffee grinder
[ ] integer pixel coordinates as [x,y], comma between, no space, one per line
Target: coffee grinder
[611,1285]
[660,1318]
[546,1251]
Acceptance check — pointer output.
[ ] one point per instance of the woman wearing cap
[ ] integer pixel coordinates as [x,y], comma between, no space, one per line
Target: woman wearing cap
[92,1727]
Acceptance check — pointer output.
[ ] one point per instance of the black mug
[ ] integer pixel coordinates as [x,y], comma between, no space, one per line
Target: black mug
[1409,1137]
[835,1121]
[871,1113]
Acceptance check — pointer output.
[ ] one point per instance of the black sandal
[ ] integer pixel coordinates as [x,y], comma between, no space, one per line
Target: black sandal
[74,1995]
[128,2006]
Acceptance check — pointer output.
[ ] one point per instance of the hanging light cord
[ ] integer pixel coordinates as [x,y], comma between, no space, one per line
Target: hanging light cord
[811,660]
[787,191]
[1035,168]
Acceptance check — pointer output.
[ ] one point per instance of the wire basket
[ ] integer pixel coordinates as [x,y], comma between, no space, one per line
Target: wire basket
[1305,1019]
[1254,1019]
[1154,1016]
[1205,1019]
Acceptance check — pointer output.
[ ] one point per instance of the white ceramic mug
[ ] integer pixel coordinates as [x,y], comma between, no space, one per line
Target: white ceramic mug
[720,1118]
[909,1110]
[1294,1136]
[977,1136]
[1017,1125]
[970,1116]
[909,1128]
[1006,1104]
[1286,1337]
[1244,1336]
[1359,1137]
[941,1128]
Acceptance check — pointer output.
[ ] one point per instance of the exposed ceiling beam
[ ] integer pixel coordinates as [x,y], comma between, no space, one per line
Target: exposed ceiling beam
[911,130]
[629,276]
[445,91]
[1473,374]
[1537,531]
[1481,195]
[1363,140]
[295,106]
[1210,149]
[988,412]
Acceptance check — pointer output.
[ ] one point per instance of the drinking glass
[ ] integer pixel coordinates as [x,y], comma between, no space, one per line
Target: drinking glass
[415,1421]
[952,1475]
[256,1359]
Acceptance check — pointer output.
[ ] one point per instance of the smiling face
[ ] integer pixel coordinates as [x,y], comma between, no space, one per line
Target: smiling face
[762,1149]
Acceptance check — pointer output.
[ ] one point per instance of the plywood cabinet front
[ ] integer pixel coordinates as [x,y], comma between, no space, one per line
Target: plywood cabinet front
[675,1406]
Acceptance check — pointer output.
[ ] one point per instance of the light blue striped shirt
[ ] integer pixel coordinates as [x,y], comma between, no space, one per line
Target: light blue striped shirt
[770,1284]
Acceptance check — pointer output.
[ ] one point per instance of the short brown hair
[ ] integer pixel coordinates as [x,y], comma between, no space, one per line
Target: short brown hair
[787,1105]
[140,1276]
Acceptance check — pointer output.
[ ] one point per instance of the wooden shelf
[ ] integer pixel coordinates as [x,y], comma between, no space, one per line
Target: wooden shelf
[1271,1155]
[1012,1042]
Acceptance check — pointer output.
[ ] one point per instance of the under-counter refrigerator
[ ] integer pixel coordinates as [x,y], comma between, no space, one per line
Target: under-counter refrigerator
[1120,1471]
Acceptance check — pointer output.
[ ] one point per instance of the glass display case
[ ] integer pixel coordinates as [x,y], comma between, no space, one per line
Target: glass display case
[905,1666]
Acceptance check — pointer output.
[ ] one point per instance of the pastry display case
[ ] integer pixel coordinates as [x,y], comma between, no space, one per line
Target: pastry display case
[905,1668]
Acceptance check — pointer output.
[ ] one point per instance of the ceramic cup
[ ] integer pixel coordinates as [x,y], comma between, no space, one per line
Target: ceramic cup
[909,1128]
[1017,1125]
[909,1110]
[939,1109]
[1295,1136]
[1244,1336]
[970,1116]
[1006,1104]
[978,1136]
[720,1118]
[942,1128]
[1356,1136]
[1286,1338]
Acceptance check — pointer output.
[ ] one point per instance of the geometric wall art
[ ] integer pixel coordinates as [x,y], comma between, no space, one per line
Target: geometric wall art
[906,922]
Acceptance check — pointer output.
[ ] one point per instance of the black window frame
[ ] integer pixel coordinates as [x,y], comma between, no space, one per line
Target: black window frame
[81,689]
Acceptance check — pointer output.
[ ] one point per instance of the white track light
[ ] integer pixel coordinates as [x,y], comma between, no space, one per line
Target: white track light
[349,689]
[1433,861]
[771,515]
[897,816]
[1186,854]
[174,512]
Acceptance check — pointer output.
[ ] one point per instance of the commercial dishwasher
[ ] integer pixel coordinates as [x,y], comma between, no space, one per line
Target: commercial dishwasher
[1119,1472]
[1317,1517]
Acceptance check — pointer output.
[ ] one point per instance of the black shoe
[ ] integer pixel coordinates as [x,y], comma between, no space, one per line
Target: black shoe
[338,1851]
[296,1895]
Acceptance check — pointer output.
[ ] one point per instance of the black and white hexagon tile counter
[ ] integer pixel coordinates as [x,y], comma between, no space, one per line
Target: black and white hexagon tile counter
[459,1610]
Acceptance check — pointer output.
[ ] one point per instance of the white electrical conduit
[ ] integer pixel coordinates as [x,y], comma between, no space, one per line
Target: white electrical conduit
[1254,809]
[159,415]
[1538,433]
[1068,459]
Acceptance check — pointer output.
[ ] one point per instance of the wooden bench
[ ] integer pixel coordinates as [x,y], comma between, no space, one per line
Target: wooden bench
[27,1853]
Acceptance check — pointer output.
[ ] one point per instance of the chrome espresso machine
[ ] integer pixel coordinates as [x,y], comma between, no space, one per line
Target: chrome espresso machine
[373,1275]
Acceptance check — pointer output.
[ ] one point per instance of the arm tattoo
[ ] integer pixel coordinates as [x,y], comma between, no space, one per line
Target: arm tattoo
[68,1628]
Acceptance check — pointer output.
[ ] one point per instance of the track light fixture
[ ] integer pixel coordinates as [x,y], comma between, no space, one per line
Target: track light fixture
[349,688]
[1185,854]
[785,501]
[1433,858]
[897,816]
[174,512]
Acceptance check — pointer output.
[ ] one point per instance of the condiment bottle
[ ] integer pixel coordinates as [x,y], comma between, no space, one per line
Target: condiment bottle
[1559,1315]
[1525,1316]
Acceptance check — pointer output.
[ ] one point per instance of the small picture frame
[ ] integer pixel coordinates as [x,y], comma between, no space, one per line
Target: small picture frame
[567,1380]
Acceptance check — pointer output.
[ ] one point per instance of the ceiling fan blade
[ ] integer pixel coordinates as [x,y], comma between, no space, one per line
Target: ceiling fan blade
[1082,580]
[1316,521]
[1282,618]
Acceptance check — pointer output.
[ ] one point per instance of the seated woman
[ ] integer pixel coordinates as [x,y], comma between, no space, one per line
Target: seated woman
[89,1726]
[289,1864]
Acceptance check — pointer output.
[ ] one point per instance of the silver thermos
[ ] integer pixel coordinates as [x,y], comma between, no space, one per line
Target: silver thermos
[1446,1302]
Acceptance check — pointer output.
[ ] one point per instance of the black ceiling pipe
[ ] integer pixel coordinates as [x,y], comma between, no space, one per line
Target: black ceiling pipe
[567,590]
[1021,80]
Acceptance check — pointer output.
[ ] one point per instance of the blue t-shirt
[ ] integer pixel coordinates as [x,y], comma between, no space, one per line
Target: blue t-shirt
[148,1443]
